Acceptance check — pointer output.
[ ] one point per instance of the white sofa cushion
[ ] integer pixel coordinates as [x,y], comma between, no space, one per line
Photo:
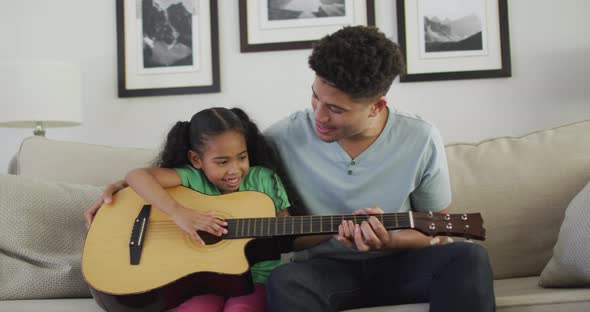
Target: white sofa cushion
[522,187]
[78,163]
[43,233]
[513,295]
[517,294]
[570,264]
[50,305]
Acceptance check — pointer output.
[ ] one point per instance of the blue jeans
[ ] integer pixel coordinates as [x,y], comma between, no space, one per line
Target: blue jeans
[453,277]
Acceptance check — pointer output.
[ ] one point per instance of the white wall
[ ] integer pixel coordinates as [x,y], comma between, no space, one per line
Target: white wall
[550,48]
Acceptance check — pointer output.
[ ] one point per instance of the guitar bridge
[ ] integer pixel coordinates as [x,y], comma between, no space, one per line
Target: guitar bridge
[138,234]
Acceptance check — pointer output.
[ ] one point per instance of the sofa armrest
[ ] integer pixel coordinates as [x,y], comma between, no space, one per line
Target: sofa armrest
[13,166]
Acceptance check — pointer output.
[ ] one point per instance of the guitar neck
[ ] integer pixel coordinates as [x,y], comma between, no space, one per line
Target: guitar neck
[301,225]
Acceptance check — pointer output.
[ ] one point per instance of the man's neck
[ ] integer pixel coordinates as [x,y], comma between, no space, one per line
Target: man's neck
[356,145]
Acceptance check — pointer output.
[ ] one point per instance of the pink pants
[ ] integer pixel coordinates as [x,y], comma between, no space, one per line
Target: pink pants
[254,302]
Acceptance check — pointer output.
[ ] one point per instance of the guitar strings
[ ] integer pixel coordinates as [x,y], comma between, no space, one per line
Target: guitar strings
[300,221]
[289,225]
[253,227]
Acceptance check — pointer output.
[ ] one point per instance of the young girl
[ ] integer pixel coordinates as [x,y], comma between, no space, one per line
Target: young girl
[211,154]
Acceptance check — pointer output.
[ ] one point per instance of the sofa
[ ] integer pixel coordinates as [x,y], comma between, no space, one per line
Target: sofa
[531,191]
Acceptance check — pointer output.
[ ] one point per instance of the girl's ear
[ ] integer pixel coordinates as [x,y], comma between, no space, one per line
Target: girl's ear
[194,159]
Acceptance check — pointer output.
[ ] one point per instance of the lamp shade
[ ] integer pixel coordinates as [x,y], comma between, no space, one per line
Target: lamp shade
[41,93]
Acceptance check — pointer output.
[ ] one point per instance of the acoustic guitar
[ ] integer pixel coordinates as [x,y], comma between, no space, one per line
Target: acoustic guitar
[136,258]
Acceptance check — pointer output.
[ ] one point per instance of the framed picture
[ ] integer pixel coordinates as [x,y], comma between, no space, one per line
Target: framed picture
[270,25]
[167,47]
[453,39]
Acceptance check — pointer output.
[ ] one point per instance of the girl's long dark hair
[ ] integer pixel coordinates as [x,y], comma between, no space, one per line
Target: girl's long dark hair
[193,135]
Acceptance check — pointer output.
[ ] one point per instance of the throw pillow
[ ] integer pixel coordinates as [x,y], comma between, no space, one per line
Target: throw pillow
[41,238]
[570,264]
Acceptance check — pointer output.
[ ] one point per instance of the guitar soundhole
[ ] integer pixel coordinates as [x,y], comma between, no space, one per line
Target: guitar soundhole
[209,238]
[212,242]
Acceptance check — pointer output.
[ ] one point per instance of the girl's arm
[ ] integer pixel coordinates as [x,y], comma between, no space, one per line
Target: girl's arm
[150,184]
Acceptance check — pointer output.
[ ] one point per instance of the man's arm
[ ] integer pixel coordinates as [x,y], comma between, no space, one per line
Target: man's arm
[105,198]
[369,239]
[309,241]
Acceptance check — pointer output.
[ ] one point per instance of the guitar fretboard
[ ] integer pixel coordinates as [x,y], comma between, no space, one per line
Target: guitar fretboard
[299,225]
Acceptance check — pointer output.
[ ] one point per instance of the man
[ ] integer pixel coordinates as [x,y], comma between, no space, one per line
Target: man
[352,151]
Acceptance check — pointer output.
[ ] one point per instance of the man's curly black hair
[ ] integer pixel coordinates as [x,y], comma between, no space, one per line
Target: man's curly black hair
[358,60]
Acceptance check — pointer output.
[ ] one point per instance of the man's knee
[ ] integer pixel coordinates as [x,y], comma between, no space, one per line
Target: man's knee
[473,258]
[281,278]
[472,253]
[284,288]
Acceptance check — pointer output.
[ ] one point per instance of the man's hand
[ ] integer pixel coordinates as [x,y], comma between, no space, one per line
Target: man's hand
[370,235]
[105,198]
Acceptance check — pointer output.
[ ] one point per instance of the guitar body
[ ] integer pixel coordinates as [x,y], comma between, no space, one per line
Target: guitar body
[173,267]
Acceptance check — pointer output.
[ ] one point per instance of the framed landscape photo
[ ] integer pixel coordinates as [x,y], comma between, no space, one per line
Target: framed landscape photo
[270,25]
[167,47]
[453,39]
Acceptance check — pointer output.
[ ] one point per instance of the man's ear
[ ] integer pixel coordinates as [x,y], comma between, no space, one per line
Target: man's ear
[194,158]
[378,106]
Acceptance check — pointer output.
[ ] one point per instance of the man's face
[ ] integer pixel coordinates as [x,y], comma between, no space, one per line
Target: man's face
[337,117]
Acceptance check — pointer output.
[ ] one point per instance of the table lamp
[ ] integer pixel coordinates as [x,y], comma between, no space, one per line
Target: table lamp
[39,95]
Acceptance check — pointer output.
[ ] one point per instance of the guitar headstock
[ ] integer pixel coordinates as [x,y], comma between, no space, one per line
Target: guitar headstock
[467,225]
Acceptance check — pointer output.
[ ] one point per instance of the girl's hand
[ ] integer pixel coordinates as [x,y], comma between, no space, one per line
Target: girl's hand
[192,221]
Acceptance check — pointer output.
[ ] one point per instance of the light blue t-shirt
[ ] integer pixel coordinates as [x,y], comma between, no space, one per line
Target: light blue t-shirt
[405,168]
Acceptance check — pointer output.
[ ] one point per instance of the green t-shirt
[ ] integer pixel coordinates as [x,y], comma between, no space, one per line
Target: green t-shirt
[259,179]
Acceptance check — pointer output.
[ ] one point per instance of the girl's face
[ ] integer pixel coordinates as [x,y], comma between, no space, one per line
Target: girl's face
[224,160]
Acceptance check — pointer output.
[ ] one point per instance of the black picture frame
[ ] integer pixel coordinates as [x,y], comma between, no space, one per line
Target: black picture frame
[495,65]
[294,43]
[198,71]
